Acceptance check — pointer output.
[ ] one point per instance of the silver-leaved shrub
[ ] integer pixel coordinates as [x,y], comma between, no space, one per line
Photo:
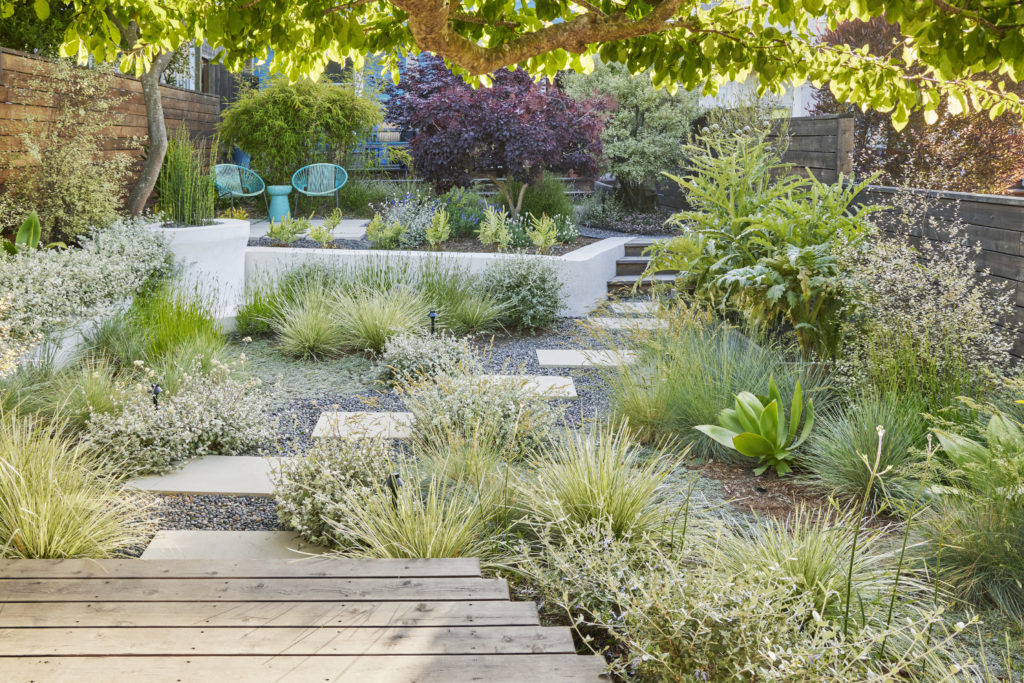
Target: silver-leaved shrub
[48,290]
[414,213]
[531,289]
[323,485]
[415,356]
[210,414]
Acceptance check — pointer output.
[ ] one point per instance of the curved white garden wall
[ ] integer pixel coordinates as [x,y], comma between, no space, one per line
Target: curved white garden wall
[212,259]
[584,272]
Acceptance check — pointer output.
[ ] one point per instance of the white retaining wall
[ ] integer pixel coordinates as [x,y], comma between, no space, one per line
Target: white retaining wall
[584,272]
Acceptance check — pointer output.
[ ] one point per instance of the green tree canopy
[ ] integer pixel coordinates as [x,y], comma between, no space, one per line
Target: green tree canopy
[644,128]
[685,43]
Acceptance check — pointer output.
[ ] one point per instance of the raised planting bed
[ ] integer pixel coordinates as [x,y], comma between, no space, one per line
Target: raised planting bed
[584,271]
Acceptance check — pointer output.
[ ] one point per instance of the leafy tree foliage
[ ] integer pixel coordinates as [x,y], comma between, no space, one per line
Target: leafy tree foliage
[286,126]
[687,43]
[514,130]
[644,129]
[23,30]
[967,151]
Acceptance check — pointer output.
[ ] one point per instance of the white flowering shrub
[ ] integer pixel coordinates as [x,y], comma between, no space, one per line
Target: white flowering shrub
[321,487]
[518,419]
[49,289]
[531,289]
[210,414]
[412,356]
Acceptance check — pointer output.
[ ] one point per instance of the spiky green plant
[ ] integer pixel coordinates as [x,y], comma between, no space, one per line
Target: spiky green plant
[186,191]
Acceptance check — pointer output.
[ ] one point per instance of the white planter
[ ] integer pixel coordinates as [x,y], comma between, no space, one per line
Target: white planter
[584,272]
[212,260]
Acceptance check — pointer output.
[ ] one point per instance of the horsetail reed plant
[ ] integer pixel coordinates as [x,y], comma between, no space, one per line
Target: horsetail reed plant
[185,189]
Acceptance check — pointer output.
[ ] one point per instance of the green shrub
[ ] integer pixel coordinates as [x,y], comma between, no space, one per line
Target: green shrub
[285,126]
[546,196]
[359,196]
[600,476]
[384,235]
[685,374]
[531,290]
[439,230]
[420,356]
[320,487]
[465,209]
[844,437]
[519,420]
[55,500]
[185,188]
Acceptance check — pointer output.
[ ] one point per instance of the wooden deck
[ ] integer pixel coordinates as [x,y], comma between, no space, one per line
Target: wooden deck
[318,619]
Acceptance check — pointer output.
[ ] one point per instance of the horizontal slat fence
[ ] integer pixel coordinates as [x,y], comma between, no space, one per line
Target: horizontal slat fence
[994,221]
[27,95]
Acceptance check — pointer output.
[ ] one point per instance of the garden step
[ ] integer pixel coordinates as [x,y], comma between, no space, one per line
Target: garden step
[195,544]
[629,281]
[364,425]
[630,307]
[586,358]
[637,246]
[629,323]
[635,265]
[215,475]
[548,386]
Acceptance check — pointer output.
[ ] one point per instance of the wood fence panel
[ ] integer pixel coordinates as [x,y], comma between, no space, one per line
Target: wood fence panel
[27,99]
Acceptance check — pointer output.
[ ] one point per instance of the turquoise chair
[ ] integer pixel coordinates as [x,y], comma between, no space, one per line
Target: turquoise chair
[237,181]
[319,180]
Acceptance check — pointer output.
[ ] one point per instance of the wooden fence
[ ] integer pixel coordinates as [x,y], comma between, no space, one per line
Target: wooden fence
[994,221]
[27,96]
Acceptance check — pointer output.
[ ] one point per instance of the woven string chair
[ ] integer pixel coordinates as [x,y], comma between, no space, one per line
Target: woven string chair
[319,180]
[237,181]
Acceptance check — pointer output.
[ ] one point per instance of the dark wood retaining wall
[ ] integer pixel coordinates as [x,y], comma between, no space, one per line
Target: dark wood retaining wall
[994,221]
[26,95]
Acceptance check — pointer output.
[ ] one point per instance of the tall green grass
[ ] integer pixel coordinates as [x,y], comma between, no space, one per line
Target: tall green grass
[56,501]
[686,374]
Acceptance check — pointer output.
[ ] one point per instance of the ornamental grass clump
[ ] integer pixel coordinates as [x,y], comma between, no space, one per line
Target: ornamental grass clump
[185,189]
[600,476]
[322,486]
[58,501]
[306,326]
[369,318]
[834,459]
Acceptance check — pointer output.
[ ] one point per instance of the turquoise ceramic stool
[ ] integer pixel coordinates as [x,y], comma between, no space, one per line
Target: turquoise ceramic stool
[279,202]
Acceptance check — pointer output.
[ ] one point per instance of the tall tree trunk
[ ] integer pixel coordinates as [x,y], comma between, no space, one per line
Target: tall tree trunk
[157,129]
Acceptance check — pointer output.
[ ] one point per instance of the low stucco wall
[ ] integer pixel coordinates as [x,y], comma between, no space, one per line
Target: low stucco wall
[584,272]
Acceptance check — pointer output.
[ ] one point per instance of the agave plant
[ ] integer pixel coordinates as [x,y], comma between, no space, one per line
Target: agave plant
[756,427]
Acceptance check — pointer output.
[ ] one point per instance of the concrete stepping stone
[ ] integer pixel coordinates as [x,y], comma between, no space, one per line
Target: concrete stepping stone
[587,358]
[224,475]
[630,323]
[363,425]
[548,386]
[627,307]
[204,544]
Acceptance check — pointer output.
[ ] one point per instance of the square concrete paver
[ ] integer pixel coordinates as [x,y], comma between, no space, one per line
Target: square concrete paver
[364,425]
[228,475]
[630,323]
[645,307]
[194,544]
[548,386]
[571,358]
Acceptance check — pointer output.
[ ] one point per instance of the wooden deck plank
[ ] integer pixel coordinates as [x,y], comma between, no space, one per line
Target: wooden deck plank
[257,614]
[324,567]
[248,590]
[450,669]
[272,641]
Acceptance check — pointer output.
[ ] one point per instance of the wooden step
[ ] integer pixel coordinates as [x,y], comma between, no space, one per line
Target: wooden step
[639,245]
[550,668]
[620,282]
[635,265]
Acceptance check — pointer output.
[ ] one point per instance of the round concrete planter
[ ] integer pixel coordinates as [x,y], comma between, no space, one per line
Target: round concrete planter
[212,260]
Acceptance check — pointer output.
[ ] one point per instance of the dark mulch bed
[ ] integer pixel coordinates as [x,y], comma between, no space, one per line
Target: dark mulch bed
[767,495]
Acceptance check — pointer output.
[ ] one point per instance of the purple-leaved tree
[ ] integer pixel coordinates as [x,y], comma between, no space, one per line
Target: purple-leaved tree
[514,130]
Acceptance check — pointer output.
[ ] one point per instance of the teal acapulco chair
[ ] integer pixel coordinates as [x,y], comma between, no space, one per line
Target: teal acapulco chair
[319,180]
[237,181]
